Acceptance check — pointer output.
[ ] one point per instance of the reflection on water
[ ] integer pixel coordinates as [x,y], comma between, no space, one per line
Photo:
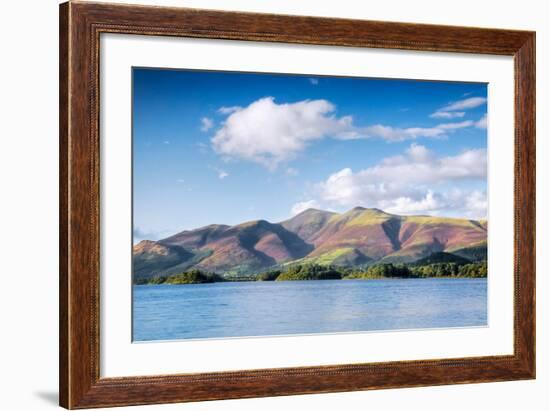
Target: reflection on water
[240,309]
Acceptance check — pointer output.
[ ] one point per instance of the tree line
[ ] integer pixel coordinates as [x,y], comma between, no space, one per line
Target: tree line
[299,272]
[434,270]
[194,276]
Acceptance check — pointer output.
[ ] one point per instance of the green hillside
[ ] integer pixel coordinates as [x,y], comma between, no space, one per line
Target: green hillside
[442,257]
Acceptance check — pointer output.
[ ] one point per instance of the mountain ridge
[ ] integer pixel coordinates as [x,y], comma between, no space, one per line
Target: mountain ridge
[357,237]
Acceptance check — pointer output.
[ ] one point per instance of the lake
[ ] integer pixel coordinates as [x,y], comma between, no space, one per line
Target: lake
[261,308]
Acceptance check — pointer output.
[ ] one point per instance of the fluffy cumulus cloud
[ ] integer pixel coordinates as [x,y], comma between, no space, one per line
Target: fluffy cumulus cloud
[303,206]
[269,133]
[463,203]
[416,182]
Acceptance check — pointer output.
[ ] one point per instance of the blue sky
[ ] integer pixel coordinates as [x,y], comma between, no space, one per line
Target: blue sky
[221,147]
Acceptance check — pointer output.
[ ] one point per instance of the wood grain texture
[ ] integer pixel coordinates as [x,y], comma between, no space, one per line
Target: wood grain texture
[80,27]
[63,204]
[525,203]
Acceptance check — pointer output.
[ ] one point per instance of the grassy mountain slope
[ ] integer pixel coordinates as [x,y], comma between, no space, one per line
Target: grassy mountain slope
[150,257]
[371,232]
[308,222]
[357,237]
[420,236]
[235,250]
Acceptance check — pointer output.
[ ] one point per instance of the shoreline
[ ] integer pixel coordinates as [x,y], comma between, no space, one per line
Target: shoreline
[316,272]
[315,280]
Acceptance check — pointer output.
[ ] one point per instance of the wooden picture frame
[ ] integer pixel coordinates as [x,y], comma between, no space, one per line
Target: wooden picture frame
[80,27]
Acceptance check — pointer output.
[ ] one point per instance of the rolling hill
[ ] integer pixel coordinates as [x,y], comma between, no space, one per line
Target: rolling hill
[358,237]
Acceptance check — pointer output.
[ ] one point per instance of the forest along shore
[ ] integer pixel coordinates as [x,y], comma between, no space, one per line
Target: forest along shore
[301,272]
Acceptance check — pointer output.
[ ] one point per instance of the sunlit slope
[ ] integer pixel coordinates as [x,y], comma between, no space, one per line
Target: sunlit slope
[358,237]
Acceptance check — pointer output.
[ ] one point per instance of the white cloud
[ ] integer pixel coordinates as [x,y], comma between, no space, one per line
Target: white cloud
[456,109]
[476,203]
[303,206]
[229,110]
[454,126]
[408,205]
[414,182]
[221,173]
[206,124]
[269,133]
[468,103]
[314,81]
[392,133]
[180,181]
[459,203]
[482,122]
[448,114]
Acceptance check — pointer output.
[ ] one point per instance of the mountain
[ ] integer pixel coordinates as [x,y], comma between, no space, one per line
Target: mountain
[229,250]
[357,237]
[152,256]
[368,233]
[308,223]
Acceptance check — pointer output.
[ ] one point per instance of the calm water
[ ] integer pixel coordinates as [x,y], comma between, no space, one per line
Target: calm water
[165,312]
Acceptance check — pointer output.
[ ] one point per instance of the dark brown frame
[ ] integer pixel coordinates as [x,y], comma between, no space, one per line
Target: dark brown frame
[80,27]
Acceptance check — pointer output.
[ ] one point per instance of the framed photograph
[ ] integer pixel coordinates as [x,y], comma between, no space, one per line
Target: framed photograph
[259,205]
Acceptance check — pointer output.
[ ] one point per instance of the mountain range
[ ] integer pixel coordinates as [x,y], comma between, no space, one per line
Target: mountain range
[358,237]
